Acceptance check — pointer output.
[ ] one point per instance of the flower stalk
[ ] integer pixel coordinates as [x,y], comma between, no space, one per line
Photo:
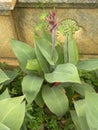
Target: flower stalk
[53,24]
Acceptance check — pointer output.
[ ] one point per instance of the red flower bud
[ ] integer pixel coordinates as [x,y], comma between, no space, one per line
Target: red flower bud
[56,83]
[53,22]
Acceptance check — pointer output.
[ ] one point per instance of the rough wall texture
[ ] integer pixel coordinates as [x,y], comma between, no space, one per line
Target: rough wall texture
[7,32]
[87,38]
[20,22]
[7,4]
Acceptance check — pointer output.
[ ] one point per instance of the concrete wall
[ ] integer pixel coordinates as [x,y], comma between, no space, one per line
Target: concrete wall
[17,20]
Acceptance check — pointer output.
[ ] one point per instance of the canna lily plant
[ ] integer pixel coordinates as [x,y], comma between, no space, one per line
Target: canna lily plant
[52,67]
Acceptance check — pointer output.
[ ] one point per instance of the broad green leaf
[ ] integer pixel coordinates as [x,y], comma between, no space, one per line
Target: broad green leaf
[63,73]
[11,74]
[33,65]
[1,86]
[4,95]
[45,48]
[91,101]
[72,50]
[31,86]
[3,77]
[12,112]
[39,100]
[3,127]
[42,61]
[55,99]
[60,54]
[23,52]
[47,35]
[80,110]
[75,120]
[88,65]
[82,88]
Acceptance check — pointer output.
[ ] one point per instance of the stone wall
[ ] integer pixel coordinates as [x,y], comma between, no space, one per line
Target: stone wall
[17,20]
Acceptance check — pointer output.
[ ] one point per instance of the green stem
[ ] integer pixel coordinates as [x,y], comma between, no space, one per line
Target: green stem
[53,43]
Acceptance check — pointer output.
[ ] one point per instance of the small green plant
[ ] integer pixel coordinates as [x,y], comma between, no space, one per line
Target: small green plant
[53,80]
[48,68]
[52,67]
